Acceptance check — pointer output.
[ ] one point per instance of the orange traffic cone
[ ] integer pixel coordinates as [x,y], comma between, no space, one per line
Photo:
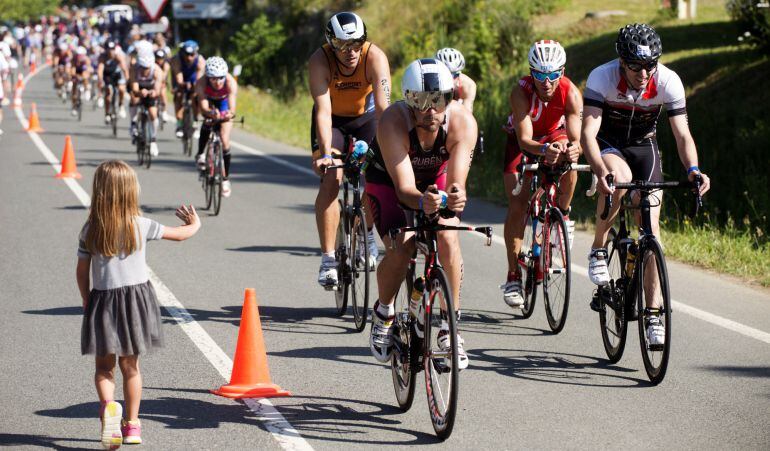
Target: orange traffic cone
[32,66]
[251,376]
[17,91]
[34,121]
[68,167]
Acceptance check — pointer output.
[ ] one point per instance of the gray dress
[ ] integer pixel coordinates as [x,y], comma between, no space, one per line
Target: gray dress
[122,316]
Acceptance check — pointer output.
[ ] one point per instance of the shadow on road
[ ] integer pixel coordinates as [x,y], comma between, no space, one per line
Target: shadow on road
[496,323]
[740,371]
[44,441]
[297,251]
[56,311]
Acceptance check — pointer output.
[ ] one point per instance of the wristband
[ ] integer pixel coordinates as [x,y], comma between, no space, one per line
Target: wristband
[326,155]
[692,169]
[544,147]
[420,202]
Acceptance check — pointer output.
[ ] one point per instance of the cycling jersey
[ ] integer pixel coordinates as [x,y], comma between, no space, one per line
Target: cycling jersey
[630,116]
[81,64]
[351,95]
[218,98]
[65,58]
[189,73]
[145,81]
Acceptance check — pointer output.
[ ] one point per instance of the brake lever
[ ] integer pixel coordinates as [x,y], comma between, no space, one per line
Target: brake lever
[698,203]
[608,199]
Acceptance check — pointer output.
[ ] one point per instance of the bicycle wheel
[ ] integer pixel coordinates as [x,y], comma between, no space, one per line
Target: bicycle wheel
[359,274]
[527,263]
[653,284]
[140,149]
[612,319]
[208,178]
[147,154]
[407,346]
[187,132]
[341,246]
[556,270]
[441,365]
[217,179]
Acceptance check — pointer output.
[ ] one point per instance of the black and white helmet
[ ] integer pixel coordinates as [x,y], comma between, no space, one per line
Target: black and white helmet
[638,42]
[453,59]
[427,83]
[216,67]
[344,27]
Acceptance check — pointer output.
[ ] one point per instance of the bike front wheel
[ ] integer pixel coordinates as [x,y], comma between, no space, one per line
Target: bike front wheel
[440,358]
[404,361]
[528,266]
[341,253]
[653,287]
[359,275]
[217,179]
[556,270]
[147,154]
[612,318]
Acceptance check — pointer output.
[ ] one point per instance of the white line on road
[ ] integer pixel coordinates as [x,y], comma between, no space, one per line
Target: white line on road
[577,269]
[282,431]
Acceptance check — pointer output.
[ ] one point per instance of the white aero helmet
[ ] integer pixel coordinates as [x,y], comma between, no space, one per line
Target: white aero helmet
[453,59]
[427,83]
[547,56]
[144,48]
[345,27]
[216,67]
[146,61]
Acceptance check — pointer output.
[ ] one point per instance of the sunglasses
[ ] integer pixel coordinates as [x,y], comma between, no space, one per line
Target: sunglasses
[543,76]
[344,46]
[636,66]
[217,78]
[423,101]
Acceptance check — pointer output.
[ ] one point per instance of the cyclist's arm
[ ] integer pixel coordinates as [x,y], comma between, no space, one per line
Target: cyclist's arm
[573,114]
[592,121]
[176,72]
[203,102]
[685,145]
[469,91]
[522,123]
[201,67]
[158,81]
[100,71]
[231,98]
[393,140]
[133,83]
[319,89]
[460,147]
[380,79]
[123,65]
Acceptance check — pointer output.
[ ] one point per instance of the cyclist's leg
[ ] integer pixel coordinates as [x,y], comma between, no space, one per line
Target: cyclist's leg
[616,163]
[326,208]
[225,130]
[365,129]
[178,98]
[515,220]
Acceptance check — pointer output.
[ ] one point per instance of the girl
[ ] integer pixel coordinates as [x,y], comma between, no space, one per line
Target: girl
[121,313]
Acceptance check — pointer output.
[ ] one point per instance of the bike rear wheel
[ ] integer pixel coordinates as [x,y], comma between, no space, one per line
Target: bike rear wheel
[359,250]
[527,265]
[146,131]
[341,253]
[407,346]
[612,318]
[556,270]
[208,178]
[440,365]
[653,283]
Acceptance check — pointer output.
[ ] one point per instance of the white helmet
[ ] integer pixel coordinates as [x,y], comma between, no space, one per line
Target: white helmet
[146,61]
[547,56]
[216,67]
[453,59]
[427,83]
[344,27]
[143,48]
[81,50]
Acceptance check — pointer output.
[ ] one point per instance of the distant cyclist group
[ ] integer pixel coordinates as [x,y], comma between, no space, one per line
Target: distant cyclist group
[415,163]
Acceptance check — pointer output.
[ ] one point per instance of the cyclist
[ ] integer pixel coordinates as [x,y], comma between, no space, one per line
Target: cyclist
[465,87]
[62,60]
[424,143]
[546,110]
[186,68]
[112,70]
[623,99]
[80,72]
[350,85]
[217,91]
[146,79]
[161,59]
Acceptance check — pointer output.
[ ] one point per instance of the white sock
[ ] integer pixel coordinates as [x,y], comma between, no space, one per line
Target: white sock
[386,310]
[327,256]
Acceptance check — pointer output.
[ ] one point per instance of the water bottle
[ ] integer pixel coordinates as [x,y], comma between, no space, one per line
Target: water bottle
[359,149]
[443,198]
[538,226]
[631,258]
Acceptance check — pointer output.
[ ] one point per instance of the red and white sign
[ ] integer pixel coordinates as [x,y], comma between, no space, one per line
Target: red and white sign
[153,8]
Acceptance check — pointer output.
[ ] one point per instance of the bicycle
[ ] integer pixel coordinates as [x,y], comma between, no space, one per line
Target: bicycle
[544,257]
[112,107]
[413,353]
[77,101]
[213,174]
[632,284]
[352,242]
[187,124]
[143,136]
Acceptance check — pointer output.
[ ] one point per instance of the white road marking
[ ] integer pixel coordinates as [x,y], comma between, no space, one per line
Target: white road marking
[282,431]
[576,269]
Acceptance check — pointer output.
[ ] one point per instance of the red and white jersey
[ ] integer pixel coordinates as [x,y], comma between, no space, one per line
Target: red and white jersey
[630,115]
[548,116]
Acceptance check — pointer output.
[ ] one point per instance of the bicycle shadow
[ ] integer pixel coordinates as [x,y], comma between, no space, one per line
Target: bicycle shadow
[296,251]
[496,323]
[554,367]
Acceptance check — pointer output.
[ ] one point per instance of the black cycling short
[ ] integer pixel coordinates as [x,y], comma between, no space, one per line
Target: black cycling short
[643,157]
[362,128]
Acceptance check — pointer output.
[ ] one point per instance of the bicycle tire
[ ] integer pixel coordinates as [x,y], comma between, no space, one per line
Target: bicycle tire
[208,192]
[556,280]
[612,319]
[79,105]
[359,275]
[217,180]
[341,254]
[187,132]
[526,263]
[655,357]
[443,423]
[147,142]
[140,149]
[404,361]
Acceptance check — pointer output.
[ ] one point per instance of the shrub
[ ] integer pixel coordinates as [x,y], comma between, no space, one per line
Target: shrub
[256,47]
[755,17]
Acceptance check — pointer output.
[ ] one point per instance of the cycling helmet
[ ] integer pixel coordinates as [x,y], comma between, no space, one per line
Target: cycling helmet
[160,54]
[345,27]
[81,50]
[638,42]
[453,59]
[143,48]
[547,56]
[427,83]
[146,61]
[189,47]
[216,67]
[110,45]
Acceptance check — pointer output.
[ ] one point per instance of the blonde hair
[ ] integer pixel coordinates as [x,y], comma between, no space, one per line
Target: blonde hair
[112,227]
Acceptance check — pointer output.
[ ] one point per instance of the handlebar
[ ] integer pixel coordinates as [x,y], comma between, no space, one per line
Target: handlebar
[534,167]
[645,185]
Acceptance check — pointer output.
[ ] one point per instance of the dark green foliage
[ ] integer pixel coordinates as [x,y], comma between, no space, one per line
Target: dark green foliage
[256,46]
[26,9]
[754,17]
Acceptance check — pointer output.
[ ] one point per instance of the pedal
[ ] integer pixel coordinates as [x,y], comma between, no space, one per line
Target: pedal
[595,304]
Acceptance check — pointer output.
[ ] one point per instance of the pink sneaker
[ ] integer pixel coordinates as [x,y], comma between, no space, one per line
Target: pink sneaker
[111,415]
[132,432]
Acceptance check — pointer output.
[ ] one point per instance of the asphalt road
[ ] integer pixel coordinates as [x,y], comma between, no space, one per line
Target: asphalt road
[525,388]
